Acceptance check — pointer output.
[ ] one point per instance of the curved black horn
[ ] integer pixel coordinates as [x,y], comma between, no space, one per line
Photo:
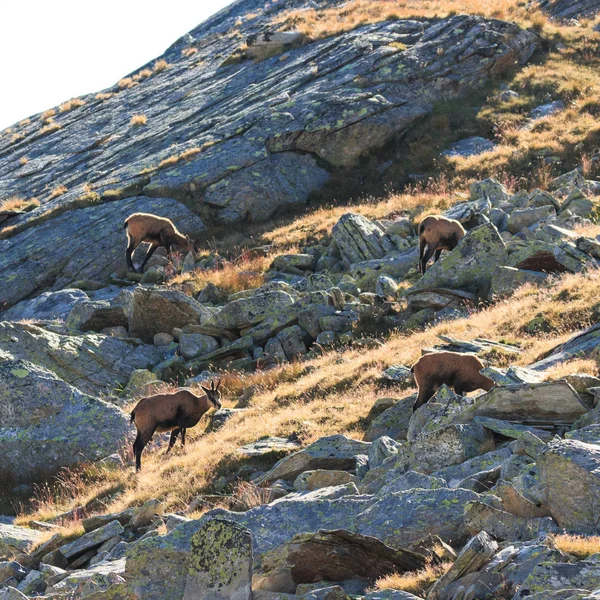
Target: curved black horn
[218,383]
[212,384]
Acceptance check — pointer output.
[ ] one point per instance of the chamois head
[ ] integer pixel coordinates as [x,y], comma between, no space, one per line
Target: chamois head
[191,244]
[213,394]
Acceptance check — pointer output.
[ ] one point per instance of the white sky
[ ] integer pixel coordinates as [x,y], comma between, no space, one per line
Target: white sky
[53,51]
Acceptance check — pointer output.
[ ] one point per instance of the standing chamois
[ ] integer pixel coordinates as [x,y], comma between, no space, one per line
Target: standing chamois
[457,370]
[157,231]
[173,412]
[437,233]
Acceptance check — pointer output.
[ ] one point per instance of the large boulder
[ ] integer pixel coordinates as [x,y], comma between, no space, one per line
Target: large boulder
[93,363]
[450,445]
[359,239]
[543,403]
[392,422]
[338,555]
[570,474]
[403,518]
[152,310]
[220,562]
[334,453]
[249,311]
[470,265]
[48,424]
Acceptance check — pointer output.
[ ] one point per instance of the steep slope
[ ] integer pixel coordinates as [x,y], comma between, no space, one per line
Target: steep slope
[232,139]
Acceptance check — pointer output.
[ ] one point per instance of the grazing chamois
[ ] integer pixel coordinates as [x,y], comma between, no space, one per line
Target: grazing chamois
[457,370]
[173,412]
[157,231]
[437,233]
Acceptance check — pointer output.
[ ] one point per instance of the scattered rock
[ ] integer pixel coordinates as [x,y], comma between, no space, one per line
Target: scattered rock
[469,147]
[336,452]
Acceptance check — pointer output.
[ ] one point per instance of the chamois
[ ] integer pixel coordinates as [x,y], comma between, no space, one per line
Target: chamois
[457,370]
[437,233]
[173,412]
[157,231]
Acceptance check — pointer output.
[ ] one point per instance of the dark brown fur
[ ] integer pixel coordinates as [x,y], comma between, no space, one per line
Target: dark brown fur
[157,231]
[457,370]
[173,412]
[437,233]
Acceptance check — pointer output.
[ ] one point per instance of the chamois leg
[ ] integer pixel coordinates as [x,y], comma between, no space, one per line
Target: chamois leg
[183,437]
[150,252]
[425,393]
[174,435]
[140,443]
[422,245]
[428,255]
[129,254]
[437,255]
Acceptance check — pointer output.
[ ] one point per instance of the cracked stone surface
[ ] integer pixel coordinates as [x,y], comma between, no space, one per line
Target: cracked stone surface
[232,142]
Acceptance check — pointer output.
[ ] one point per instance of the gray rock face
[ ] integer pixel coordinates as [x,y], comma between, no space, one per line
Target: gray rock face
[550,576]
[358,239]
[96,316]
[95,248]
[49,305]
[251,310]
[14,539]
[157,567]
[579,345]
[470,265]
[506,280]
[93,363]
[444,447]
[570,474]
[47,424]
[220,562]
[248,134]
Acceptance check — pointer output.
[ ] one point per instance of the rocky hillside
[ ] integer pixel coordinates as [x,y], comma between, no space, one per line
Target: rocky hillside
[317,480]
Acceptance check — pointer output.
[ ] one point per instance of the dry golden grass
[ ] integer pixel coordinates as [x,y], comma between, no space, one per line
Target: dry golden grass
[48,114]
[71,104]
[51,127]
[189,51]
[23,160]
[578,545]
[16,137]
[104,95]
[321,23]
[577,365]
[19,204]
[125,83]
[329,394]
[176,158]
[24,122]
[58,191]
[160,66]
[243,273]
[414,582]
[138,120]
